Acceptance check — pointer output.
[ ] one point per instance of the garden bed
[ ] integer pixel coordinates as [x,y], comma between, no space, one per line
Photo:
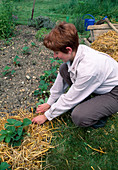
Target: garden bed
[17,90]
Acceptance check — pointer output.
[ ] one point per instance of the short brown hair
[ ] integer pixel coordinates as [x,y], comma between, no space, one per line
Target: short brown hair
[62,36]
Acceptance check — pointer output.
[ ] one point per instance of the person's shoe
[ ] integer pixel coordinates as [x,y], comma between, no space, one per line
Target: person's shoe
[100,123]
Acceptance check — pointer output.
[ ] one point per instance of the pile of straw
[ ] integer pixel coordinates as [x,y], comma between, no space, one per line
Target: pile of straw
[28,156]
[107,43]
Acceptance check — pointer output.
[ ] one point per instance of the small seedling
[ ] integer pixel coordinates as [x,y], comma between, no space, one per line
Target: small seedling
[7,71]
[33,44]
[15,61]
[26,50]
[14,131]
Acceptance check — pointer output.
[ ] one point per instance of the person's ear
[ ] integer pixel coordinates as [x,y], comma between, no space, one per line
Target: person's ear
[69,49]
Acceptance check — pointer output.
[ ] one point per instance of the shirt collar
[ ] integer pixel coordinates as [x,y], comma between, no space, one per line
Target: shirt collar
[78,57]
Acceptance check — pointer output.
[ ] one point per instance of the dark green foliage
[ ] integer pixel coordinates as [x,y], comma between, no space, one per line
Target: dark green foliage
[14,131]
[47,80]
[4,166]
[7,24]
[42,22]
[41,101]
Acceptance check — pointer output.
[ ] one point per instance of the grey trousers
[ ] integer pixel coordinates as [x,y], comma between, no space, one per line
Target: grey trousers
[88,112]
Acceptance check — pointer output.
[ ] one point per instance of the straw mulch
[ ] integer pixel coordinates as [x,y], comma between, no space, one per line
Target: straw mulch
[107,43]
[28,156]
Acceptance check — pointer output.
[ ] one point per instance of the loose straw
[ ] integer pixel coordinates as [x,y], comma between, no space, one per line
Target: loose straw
[29,155]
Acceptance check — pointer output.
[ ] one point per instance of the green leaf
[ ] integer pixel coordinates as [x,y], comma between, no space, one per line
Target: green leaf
[12,133]
[36,92]
[7,139]
[18,123]
[2,137]
[4,165]
[11,121]
[42,82]
[11,129]
[16,57]
[12,72]
[16,138]
[7,68]
[4,132]
[20,131]
[27,122]
[18,143]
[41,101]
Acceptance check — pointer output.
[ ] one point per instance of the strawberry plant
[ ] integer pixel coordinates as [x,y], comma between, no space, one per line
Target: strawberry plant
[47,80]
[33,44]
[41,101]
[4,166]
[15,61]
[8,71]
[26,50]
[14,131]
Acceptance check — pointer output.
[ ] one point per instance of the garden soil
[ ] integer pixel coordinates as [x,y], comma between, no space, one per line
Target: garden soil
[17,90]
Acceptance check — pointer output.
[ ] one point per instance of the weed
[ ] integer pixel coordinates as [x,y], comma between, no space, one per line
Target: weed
[14,131]
[26,50]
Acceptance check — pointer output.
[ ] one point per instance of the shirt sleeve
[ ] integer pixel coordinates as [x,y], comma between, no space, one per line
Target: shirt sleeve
[81,89]
[57,89]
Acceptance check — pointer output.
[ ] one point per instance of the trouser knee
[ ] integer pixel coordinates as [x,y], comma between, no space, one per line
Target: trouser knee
[78,119]
[81,118]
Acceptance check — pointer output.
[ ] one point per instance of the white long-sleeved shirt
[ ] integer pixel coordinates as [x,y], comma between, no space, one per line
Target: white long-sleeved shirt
[91,71]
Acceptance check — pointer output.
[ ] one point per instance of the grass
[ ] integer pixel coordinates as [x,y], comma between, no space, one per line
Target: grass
[61,9]
[71,151]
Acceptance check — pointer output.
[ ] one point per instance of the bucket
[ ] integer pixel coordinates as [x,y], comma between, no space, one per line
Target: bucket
[88,22]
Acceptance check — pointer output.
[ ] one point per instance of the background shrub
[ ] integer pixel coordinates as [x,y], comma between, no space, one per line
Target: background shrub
[42,22]
[7,18]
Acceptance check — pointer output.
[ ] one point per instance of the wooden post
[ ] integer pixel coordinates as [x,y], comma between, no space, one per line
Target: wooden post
[33,10]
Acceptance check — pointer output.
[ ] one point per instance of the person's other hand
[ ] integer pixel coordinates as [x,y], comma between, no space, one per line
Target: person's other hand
[39,119]
[42,108]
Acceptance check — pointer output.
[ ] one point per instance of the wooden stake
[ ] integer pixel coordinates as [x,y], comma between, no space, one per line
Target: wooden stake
[33,10]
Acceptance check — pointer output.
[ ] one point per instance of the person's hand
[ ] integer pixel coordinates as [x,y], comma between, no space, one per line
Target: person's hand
[42,108]
[39,119]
